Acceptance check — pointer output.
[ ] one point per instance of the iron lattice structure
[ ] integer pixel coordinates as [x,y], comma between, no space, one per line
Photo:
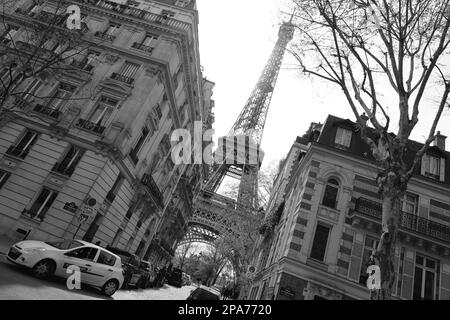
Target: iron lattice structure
[215,215]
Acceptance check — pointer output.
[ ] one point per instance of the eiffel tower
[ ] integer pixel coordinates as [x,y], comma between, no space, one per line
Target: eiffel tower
[240,157]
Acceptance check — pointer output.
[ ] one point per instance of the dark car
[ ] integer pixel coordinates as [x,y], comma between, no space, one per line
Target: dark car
[175,278]
[130,266]
[148,275]
[204,293]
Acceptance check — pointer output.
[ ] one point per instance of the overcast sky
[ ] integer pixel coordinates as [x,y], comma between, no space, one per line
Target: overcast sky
[236,39]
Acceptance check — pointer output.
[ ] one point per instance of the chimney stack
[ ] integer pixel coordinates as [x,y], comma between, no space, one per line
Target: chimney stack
[439,141]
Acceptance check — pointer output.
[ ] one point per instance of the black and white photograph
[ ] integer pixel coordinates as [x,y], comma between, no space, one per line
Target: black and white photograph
[237,152]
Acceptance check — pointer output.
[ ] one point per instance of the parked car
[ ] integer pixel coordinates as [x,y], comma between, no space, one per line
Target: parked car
[204,293]
[99,267]
[175,278]
[148,274]
[130,265]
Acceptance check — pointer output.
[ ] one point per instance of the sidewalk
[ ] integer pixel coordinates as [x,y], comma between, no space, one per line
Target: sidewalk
[5,244]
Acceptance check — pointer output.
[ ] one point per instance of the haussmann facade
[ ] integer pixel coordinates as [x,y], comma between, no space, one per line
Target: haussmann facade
[325,217]
[107,155]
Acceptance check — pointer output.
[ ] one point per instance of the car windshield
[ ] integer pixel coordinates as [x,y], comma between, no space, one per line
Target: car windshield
[64,244]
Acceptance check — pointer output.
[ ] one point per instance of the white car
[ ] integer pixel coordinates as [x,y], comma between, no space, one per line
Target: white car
[99,267]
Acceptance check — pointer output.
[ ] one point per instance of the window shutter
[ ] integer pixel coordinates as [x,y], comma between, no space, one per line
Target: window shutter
[442,170]
[425,164]
[445,282]
[408,275]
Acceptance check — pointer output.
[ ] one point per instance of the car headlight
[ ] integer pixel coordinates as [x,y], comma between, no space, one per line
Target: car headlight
[30,250]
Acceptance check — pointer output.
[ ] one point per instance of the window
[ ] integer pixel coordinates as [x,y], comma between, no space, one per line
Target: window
[370,247]
[70,161]
[31,89]
[102,111]
[331,192]
[320,242]
[85,253]
[115,188]
[43,202]
[182,3]
[65,244]
[167,13]
[146,43]
[112,28]
[410,203]
[431,166]
[88,60]
[126,73]
[106,258]
[117,237]
[138,146]
[60,96]
[4,176]
[23,147]
[343,138]
[425,277]
[140,247]
[129,244]
[51,44]
[8,34]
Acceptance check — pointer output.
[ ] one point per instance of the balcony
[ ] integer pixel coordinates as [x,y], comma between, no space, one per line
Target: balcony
[47,111]
[142,47]
[152,187]
[63,169]
[90,126]
[105,36]
[408,222]
[119,77]
[140,14]
[17,152]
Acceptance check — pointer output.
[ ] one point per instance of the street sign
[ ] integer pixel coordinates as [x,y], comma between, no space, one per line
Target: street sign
[86,213]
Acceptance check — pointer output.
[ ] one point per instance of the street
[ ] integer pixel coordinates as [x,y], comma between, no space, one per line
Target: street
[17,283]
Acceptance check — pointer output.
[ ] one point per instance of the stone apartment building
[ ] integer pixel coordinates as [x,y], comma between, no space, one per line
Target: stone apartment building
[329,221]
[105,160]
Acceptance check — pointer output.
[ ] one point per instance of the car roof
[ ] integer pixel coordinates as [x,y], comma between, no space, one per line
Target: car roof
[211,290]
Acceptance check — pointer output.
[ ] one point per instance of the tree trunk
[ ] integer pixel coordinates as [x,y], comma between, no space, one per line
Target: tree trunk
[385,253]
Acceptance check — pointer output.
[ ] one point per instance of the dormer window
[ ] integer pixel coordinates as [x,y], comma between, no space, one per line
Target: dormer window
[433,166]
[343,138]
[182,3]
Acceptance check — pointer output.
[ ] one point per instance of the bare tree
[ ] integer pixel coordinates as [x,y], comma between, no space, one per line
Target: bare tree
[370,49]
[41,48]
[181,254]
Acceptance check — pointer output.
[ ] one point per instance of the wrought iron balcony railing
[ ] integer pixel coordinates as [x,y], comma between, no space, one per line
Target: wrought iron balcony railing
[63,169]
[408,221]
[119,77]
[17,152]
[138,13]
[91,126]
[105,36]
[147,181]
[52,113]
[142,47]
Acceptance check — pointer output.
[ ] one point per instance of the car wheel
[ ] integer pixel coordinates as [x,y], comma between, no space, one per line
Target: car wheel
[44,269]
[110,287]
